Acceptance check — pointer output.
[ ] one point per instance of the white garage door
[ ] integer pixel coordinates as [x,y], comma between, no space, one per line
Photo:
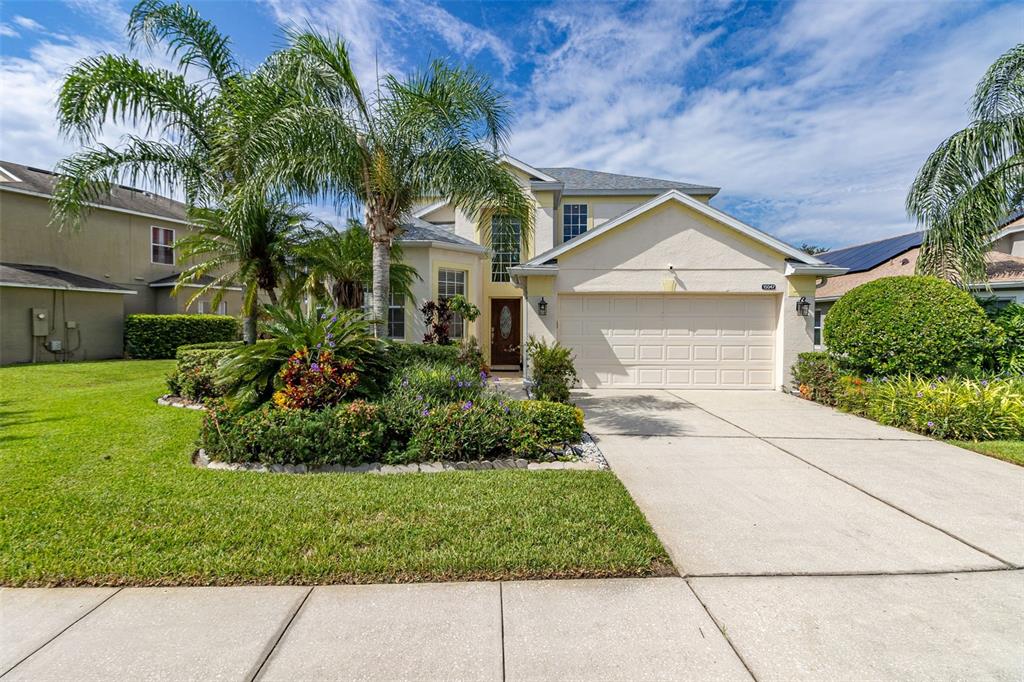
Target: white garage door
[671,340]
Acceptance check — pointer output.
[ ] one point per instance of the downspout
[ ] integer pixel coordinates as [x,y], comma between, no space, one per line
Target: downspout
[526,330]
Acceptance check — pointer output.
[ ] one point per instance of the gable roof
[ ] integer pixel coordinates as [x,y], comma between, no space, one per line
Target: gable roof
[46,277]
[40,182]
[807,264]
[582,181]
[863,257]
[418,232]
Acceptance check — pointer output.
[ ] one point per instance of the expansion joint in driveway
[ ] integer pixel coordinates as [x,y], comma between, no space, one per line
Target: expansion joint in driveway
[721,629]
[1007,564]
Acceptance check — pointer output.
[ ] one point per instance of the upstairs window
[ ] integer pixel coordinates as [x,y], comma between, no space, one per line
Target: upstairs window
[162,245]
[450,283]
[505,239]
[205,308]
[574,220]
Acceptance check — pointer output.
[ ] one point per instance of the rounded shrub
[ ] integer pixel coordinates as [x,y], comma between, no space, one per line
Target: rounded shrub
[909,325]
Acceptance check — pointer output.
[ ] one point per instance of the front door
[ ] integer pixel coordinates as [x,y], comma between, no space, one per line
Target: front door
[506,333]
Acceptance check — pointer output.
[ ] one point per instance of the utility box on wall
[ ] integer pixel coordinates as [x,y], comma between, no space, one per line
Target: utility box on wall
[40,322]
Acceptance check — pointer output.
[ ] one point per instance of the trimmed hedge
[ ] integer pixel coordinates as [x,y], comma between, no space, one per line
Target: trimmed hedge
[910,325]
[153,337]
[556,423]
[210,345]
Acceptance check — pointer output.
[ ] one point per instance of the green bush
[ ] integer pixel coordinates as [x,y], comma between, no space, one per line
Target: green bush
[852,394]
[552,372]
[348,434]
[485,429]
[816,376]
[210,345]
[439,383]
[556,423]
[195,373]
[1009,357]
[400,355]
[916,325]
[153,337]
[956,409]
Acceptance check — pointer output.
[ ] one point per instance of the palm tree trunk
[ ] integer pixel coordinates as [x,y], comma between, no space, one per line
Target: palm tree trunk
[272,295]
[381,238]
[249,328]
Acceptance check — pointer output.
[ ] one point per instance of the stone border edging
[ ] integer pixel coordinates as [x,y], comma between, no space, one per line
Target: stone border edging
[169,400]
[200,459]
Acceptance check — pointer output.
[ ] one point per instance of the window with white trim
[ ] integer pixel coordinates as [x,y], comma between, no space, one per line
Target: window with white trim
[396,312]
[505,241]
[451,283]
[574,220]
[162,245]
[203,308]
[819,319]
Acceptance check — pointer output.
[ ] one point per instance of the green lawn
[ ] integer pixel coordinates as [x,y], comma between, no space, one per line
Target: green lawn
[1008,450]
[96,488]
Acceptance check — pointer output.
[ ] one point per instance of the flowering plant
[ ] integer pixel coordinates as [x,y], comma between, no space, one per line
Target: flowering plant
[314,380]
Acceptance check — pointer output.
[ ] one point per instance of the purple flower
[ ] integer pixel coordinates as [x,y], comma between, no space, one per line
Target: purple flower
[920,394]
[483,376]
[467,405]
[419,397]
[984,382]
[425,413]
[451,378]
[330,336]
[931,425]
[932,385]
[506,409]
[870,380]
[334,319]
[314,367]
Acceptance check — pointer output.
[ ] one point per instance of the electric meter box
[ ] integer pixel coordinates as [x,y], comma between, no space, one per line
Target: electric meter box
[40,322]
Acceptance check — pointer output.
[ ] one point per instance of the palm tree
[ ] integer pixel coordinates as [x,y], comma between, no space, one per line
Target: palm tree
[339,265]
[437,133]
[255,250]
[196,132]
[974,178]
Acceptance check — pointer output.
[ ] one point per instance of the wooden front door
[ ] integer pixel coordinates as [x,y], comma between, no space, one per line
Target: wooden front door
[506,332]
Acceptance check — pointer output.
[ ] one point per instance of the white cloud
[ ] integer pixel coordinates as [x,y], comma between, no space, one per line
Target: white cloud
[26,23]
[817,141]
[8,32]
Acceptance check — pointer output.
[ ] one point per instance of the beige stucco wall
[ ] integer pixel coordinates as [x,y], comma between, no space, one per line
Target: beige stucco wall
[99,317]
[706,257]
[428,261]
[110,246]
[1013,243]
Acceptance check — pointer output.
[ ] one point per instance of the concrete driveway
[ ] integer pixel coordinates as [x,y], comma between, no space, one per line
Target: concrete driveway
[823,544]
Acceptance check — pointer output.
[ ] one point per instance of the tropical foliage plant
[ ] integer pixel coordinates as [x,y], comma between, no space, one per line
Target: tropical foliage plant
[1009,357]
[251,373]
[552,370]
[338,266]
[974,179]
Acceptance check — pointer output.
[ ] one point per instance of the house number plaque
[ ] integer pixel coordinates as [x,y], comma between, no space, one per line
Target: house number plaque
[767,287]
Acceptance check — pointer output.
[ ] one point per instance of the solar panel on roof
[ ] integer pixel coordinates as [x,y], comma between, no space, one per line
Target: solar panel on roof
[866,256]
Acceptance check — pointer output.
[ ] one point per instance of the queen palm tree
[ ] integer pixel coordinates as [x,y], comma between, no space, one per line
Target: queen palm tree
[436,133]
[339,264]
[195,131]
[974,178]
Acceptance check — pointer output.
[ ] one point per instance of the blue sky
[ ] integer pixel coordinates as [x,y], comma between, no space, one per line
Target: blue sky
[812,116]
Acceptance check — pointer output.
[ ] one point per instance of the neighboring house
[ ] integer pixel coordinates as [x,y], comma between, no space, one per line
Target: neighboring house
[64,295]
[647,283]
[898,256]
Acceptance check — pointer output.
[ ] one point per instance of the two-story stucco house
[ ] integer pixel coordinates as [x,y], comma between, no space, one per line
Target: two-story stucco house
[64,295]
[646,282]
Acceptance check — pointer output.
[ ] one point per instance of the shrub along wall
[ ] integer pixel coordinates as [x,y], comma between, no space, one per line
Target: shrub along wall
[195,373]
[151,337]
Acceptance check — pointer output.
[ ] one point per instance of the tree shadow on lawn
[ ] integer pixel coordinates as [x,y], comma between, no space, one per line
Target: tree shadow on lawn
[10,418]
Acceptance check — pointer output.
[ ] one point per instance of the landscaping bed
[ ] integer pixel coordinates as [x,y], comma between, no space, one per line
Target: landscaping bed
[98,489]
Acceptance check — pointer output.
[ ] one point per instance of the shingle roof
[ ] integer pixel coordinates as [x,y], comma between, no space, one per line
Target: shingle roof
[419,230]
[40,181]
[866,256]
[581,180]
[46,277]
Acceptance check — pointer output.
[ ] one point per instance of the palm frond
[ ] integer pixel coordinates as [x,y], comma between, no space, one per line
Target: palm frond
[190,39]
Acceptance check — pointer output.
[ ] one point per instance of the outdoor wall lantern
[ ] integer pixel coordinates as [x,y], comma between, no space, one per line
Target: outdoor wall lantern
[803,307]
[542,307]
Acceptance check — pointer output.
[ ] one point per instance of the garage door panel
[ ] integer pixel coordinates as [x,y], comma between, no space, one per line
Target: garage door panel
[671,340]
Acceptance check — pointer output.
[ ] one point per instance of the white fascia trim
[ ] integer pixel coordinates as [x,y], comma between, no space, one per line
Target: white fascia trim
[702,208]
[1007,231]
[534,270]
[193,286]
[12,176]
[431,244]
[14,285]
[103,207]
[430,209]
[527,168]
[1012,284]
[819,270]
